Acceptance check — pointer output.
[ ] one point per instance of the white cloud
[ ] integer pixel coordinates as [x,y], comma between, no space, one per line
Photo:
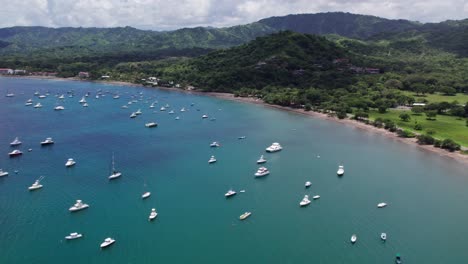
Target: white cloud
[165,14]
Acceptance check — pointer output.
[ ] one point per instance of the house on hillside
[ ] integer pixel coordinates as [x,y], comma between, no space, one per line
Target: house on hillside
[6,71]
[83,74]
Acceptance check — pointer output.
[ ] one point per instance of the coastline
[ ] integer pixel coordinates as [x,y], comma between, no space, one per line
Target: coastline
[228,96]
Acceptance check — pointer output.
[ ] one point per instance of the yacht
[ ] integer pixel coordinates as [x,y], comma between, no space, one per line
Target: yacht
[36,185]
[10,95]
[163,108]
[183,109]
[340,171]
[124,106]
[28,103]
[177,118]
[138,112]
[204,116]
[242,137]
[152,105]
[212,159]
[107,242]
[62,96]
[59,107]
[274,147]
[133,115]
[3,173]
[116,96]
[36,93]
[214,144]
[42,96]
[70,162]
[38,105]
[15,142]
[153,214]
[230,193]
[47,141]
[383,236]
[115,173]
[15,152]
[151,124]
[305,201]
[145,195]
[381,205]
[308,184]
[85,105]
[73,236]
[79,205]
[83,100]
[353,238]
[245,215]
[171,112]
[262,171]
[316,197]
[261,160]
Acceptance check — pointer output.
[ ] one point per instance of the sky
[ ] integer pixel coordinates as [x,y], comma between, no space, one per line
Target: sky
[174,14]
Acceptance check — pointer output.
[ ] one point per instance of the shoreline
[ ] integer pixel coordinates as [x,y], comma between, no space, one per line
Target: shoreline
[228,96]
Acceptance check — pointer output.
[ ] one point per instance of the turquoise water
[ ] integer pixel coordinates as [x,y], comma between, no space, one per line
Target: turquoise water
[425,221]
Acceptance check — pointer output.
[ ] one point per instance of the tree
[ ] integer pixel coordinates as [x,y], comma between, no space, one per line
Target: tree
[448,90]
[425,140]
[390,125]
[450,145]
[307,107]
[341,114]
[466,109]
[418,126]
[417,110]
[405,117]
[431,115]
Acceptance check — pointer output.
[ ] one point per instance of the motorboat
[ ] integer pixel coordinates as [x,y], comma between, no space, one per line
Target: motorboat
[274,147]
[383,236]
[183,109]
[124,106]
[83,100]
[242,191]
[38,105]
[162,108]
[138,112]
[59,107]
[3,173]
[315,197]
[214,144]
[340,171]
[177,118]
[204,116]
[28,103]
[152,105]
[151,124]
[9,95]
[36,93]
[153,214]
[79,205]
[381,205]
[36,185]
[133,115]
[145,195]
[15,153]
[70,162]
[398,259]
[62,96]
[262,171]
[15,142]
[107,242]
[353,238]
[73,236]
[305,201]
[241,137]
[42,96]
[47,141]
[171,112]
[230,193]
[116,96]
[212,159]
[308,184]
[261,160]
[245,215]
[114,173]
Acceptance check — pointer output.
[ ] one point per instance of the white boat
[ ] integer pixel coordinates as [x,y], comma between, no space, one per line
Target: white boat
[167,106]
[245,215]
[212,159]
[152,105]
[59,107]
[153,214]
[214,144]
[241,137]
[183,109]
[3,173]
[70,162]
[42,96]
[47,141]
[308,184]
[36,93]
[79,205]
[383,236]
[107,242]
[116,96]
[10,95]
[171,112]
[73,236]
[133,115]
[145,195]
[177,118]
[204,116]
[28,103]
[261,160]
[274,147]
[15,152]
[381,205]
[262,171]
[124,106]
[138,112]
[85,105]
[36,185]
[15,142]
[83,100]
[242,191]
[115,173]
[163,108]
[305,201]
[38,105]
[230,193]
[340,170]
[353,238]
[151,124]
[62,96]
[316,197]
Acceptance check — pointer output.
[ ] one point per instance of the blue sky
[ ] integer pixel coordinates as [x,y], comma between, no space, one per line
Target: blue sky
[167,15]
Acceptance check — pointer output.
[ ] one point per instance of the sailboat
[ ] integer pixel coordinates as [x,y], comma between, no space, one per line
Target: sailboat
[115,173]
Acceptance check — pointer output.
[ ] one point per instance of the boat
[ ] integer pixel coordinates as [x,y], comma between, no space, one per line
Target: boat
[79,205]
[308,184]
[47,141]
[15,142]
[42,96]
[152,105]
[138,112]
[242,137]
[353,238]
[212,159]
[316,197]
[153,214]
[262,171]
[107,242]
[261,160]
[177,118]
[171,112]
[62,96]
[83,100]
[204,116]
[213,119]
[70,162]
[167,106]
[230,193]
[340,171]
[36,185]
[274,147]
[115,173]
[59,107]
[145,195]
[36,93]
[381,205]
[28,103]
[183,109]
[116,96]
[242,191]
[15,153]
[162,108]
[214,144]
[85,105]
[73,236]
[124,106]
[305,201]
[151,124]
[3,173]
[245,215]
[383,236]
[9,95]
[38,105]
[398,258]
[133,115]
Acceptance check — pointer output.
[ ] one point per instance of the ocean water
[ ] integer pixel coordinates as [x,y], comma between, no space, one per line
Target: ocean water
[425,220]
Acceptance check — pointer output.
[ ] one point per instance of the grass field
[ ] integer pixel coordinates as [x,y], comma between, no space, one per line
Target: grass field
[437,97]
[444,126]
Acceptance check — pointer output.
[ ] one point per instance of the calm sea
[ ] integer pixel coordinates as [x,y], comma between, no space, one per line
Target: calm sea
[425,221]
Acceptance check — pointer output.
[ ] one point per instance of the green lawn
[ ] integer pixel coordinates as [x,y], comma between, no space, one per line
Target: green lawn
[445,126]
[437,97]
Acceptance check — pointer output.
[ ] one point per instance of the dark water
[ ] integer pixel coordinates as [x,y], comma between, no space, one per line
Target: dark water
[427,195]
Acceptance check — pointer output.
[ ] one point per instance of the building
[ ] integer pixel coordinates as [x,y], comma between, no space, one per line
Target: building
[83,74]
[6,71]
[19,72]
